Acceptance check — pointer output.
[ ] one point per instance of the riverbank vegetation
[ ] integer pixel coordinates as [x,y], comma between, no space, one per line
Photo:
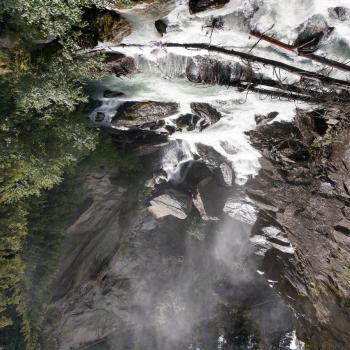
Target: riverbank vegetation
[42,132]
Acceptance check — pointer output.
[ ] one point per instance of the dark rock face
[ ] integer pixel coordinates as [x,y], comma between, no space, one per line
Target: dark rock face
[203,69]
[203,116]
[209,182]
[100,117]
[339,12]
[112,94]
[190,174]
[218,164]
[202,5]
[302,229]
[141,114]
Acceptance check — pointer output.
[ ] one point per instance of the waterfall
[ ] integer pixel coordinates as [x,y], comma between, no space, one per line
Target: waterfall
[162,77]
[163,70]
[160,62]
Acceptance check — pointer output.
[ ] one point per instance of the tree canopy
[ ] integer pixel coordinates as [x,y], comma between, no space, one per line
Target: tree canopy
[42,128]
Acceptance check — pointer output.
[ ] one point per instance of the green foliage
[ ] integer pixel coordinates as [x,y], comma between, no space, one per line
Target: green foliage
[13,226]
[41,19]
[42,133]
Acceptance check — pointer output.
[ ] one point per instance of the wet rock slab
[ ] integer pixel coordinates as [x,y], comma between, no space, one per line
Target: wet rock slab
[143,114]
[170,203]
[119,64]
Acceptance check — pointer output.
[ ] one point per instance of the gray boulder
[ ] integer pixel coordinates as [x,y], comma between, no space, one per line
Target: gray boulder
[340,13]
[171,203]
[119,64]
[140,114]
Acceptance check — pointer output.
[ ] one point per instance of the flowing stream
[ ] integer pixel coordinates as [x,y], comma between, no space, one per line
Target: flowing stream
[162,74]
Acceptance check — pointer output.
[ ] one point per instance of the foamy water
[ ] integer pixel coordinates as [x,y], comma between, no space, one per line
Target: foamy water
[162,76]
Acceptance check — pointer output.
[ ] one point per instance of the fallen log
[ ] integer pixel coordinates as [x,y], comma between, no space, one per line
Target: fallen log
[325,80]
[280,94]
[311,56]
[309,97]
[286,90]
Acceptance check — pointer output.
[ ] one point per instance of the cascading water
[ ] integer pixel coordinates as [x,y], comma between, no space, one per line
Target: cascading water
[162,75]
[162,70]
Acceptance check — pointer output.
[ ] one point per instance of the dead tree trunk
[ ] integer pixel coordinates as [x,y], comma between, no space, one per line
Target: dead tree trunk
[311,56]
[323,79]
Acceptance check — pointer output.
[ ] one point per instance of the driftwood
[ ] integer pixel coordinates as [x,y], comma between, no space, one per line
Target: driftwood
[279,94]
[286,92]
[290,91]
[311,56]
[314,76]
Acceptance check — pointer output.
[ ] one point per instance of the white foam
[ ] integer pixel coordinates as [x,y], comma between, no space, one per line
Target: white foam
[164,69]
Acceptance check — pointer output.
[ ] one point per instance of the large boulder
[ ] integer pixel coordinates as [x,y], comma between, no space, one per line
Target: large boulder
[103,25]
[144,114]
[189,174]
[202,116]
[341,13]
[202,5]
[209,115]
[119,64]
[262,119]
[112,94]
[209,181]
